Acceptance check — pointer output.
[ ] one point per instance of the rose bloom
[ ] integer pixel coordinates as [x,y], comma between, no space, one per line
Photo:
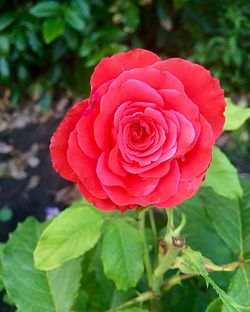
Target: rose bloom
[145,134]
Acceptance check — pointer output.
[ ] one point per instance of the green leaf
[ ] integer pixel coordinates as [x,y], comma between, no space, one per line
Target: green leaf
[1,255]
[6,20]
[4,44]
[52,28]
[122,253]
[20,40]
[199,230]
[207,214]
[231,220]
[5,214]
[4,69]
[33,41]
[33,290]
[215,306]
[222,176]
[45,9]
[86,47]
[235,115]
[45,101]
[194,263]
[82,7]
[239,288]
[133,310]
[70,235]
[64,283]
[130,17]
[73,19]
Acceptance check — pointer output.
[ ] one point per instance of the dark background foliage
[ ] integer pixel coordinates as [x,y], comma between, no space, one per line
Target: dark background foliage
[51,46]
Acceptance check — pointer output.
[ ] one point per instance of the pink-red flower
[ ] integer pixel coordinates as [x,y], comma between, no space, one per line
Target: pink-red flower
[145,134]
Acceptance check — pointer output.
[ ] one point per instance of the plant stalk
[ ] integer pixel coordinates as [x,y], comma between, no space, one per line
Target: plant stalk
[148,295]
[141,224]
[154,230]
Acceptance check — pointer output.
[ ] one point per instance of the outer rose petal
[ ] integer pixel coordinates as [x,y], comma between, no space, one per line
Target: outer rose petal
[201,88]
[186,189]
[195,162]
[103,204]
[59,141]
[84,167]
[111,67]
[85,130]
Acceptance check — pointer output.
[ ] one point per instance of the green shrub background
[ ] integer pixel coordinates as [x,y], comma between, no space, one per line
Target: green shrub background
[47,47]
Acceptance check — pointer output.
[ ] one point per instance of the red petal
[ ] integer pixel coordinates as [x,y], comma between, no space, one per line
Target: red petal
[102,204]
[185,190]
[115,163]
[201,88]
[133,184]
[85,134]
[111,67]
[167,186]
[84,167]
[59,141]
[130,90]
[195,162]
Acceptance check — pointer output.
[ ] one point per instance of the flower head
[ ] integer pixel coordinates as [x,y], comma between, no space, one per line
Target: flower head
[145,134]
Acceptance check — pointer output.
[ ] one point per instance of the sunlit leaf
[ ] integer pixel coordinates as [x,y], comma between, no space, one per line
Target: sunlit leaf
[235,115]
[71,234]
[222,176]
[122,253]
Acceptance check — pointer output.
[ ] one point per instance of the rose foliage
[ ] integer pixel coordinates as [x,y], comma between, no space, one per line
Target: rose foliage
[143,138]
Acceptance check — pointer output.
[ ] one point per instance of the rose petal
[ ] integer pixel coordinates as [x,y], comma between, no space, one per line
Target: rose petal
[59,141]
[111,67]
[115,163]
[133,184]
[131,90]
[201,88]
[195,162]
[84,167]
[85,134]
[102,204]
[167,185]
[186,135]
[185,190]
[121,197]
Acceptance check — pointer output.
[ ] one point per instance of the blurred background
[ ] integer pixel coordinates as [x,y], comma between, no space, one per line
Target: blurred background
[47,52]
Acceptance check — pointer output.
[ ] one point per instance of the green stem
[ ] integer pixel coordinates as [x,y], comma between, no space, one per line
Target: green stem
[154,230]
[166,260]
[141,223]
[141,298]
[177,278]
[170,222]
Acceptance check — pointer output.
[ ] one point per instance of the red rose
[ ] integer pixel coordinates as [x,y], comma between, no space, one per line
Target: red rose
[145,134]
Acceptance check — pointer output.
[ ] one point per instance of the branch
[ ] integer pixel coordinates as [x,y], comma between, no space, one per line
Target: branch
[141,298]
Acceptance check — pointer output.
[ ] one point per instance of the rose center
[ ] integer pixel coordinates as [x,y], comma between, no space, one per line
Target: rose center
[140,135]
[137,133]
